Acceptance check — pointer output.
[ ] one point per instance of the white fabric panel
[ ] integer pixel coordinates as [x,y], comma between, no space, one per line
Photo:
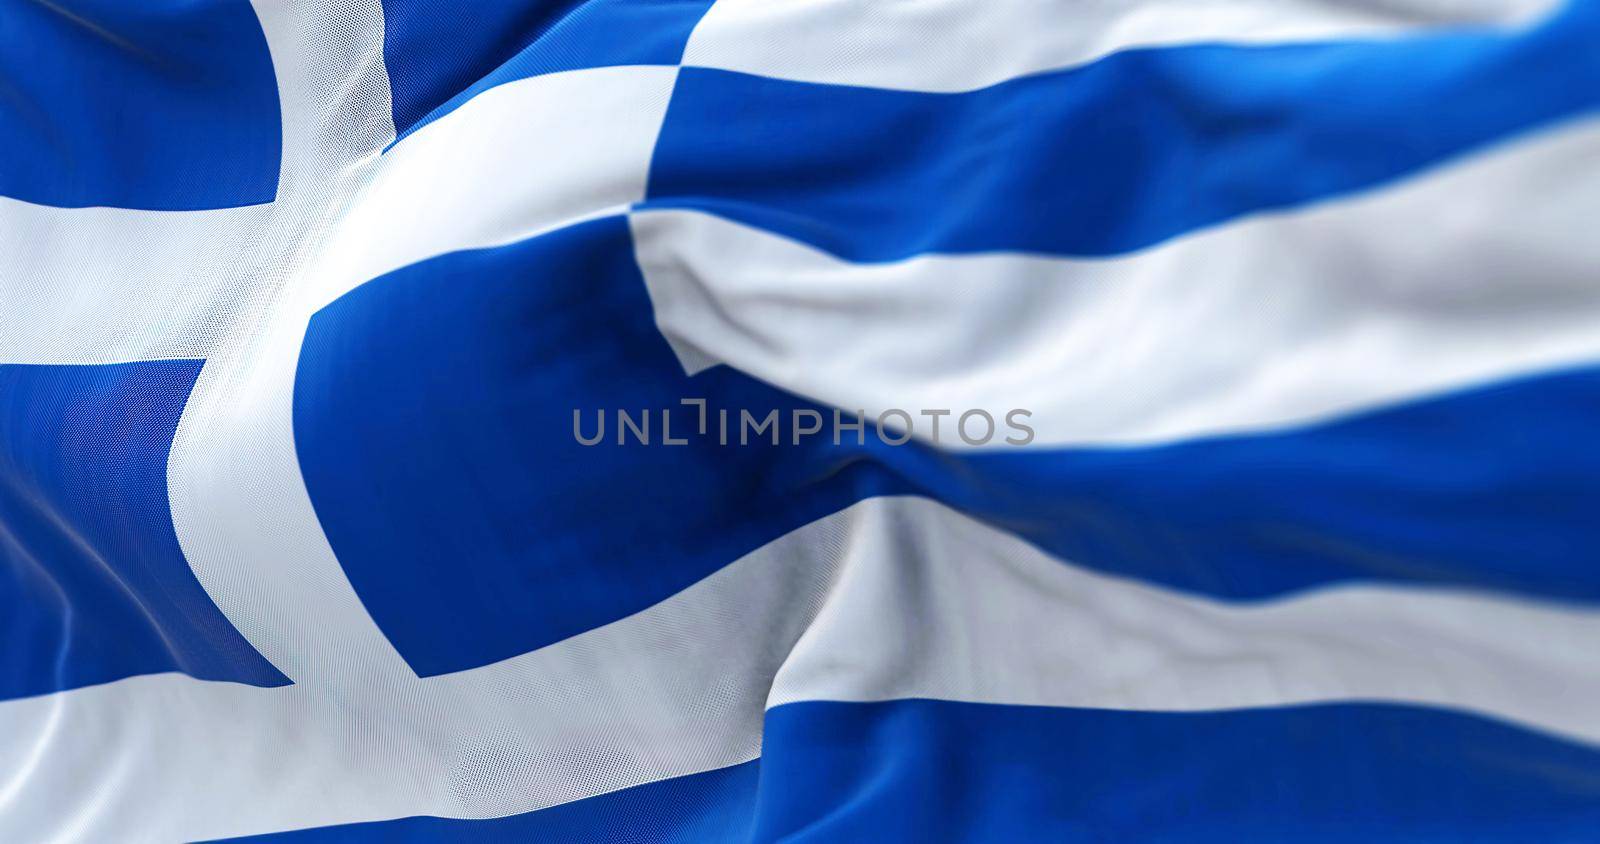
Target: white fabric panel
[933,604]
[1483,269]
[886,43]
[103,285]
[514,161]
[891,597]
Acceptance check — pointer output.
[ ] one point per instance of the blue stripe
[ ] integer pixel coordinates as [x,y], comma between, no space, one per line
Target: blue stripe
[921,770]
[918,770]
[433,418]
[93,586]
[438,57]
[698,809]
[158,104]
[1113,156]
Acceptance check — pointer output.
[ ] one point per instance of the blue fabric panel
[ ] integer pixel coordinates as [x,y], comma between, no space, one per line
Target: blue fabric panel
[157,104]
[1114,156]
[919,770]
[93,585]
[440,55]
[433,419]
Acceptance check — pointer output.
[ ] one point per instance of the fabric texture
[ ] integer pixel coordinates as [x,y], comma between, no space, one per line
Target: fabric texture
[799,420]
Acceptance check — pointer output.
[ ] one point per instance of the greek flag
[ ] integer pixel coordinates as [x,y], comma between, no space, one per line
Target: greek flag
[799,420]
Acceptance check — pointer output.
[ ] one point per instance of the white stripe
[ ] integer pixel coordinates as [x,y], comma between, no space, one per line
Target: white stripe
[239,505]
[934,604]
[101,285]
[892,597]
[514,161]
[889,44]
[1482,270]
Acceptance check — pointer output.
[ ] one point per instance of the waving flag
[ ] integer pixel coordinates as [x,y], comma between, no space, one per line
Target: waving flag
[803,420]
